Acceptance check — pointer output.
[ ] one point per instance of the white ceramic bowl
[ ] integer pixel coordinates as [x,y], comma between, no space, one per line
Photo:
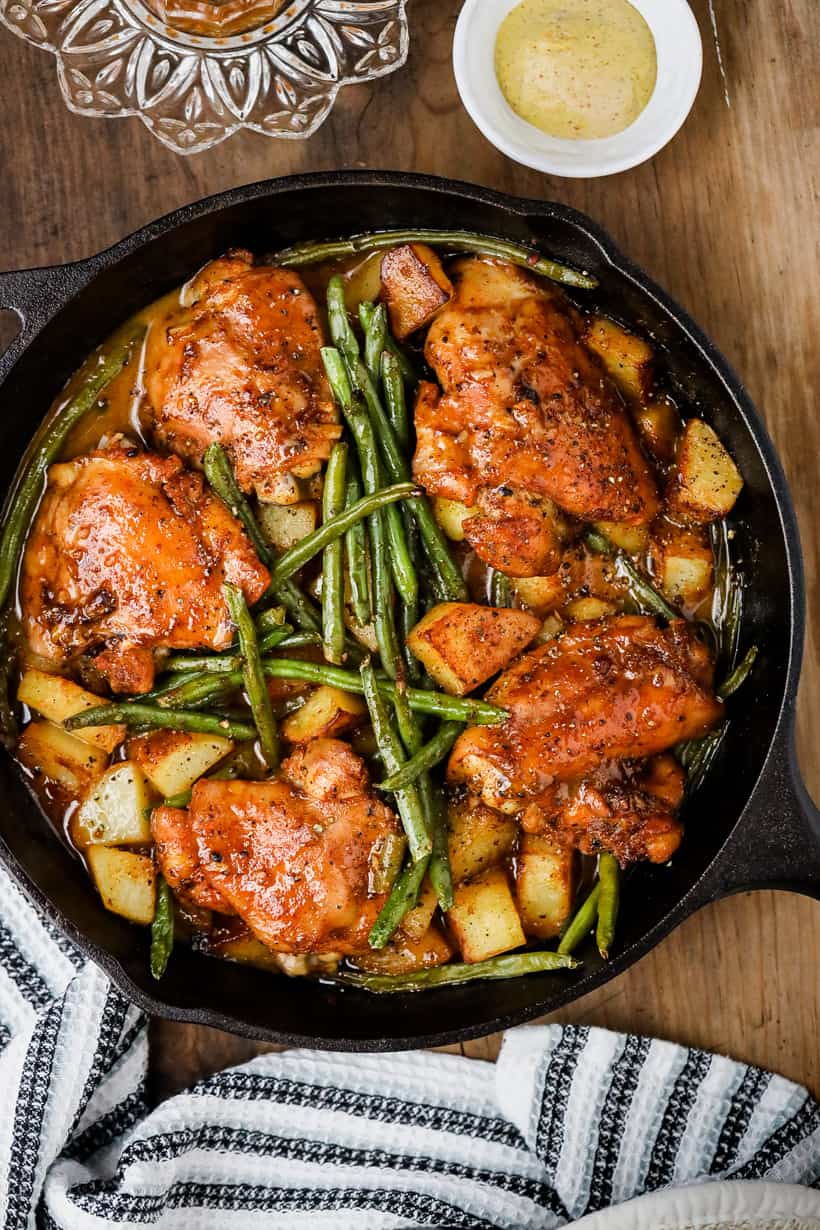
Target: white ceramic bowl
[680,59]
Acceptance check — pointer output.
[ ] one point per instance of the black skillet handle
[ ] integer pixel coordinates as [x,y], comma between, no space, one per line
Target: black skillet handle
[34,295]
[777,843]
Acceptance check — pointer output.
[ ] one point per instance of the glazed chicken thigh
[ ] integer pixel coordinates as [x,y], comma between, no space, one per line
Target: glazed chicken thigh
[128,555]
[527,420]
[292,855]
[241,366]
[605,692]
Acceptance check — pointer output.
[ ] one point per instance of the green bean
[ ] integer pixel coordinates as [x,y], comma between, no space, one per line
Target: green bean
[512,965]
[501,589]
[447,579]
[581,922]
[375,337]
[393,386]
[609,884]
[333,579]
[302,552]
[300,608]
[739,675]
[224,663]
[430,755]
[439,704]
[253,675]
[403,897]
[358,421]
[341,330]
[197,692]
[641,591]
[441,876]
[407,800]
[26,496]
[384,865]
[270,620]
[219,472]
[162,928]
[314,253]
[152,717]
[356,557]
[406,365]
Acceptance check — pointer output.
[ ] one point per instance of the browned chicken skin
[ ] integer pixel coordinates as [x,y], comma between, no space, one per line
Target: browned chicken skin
[291,855]
[127,555]
[605,691]
[242,366]
[527,418]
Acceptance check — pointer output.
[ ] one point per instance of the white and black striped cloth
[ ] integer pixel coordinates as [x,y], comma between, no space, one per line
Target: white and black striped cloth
[570,1121]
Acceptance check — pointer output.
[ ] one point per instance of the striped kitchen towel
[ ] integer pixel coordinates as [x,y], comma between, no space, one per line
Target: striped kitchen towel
[570,1121]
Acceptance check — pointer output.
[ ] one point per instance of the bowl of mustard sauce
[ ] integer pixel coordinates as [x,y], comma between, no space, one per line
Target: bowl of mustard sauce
[578,88]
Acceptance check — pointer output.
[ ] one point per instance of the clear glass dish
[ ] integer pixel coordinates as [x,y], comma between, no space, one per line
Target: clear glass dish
[280,77]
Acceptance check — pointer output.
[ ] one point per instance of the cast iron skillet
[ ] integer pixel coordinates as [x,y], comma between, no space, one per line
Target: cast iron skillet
[752,823]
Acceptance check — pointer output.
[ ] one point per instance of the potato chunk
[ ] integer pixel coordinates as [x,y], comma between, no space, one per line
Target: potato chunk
[414,287]
[477,838]
[630,538]
[57,698]
[589,608]
[126,882]
[683,562]
[706,482]
[327,712]
[484,919]
[286,524]
[462,644]
[451,515]
[544,885]
[660,426]
[403,955]
[627,358]
[541,594]
[172,760]
[417,921]
[52,752]
[115,813]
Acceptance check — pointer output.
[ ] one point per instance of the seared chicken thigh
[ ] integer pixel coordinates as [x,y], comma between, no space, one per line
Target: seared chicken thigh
[292,856]
[128,555]
[241,366]
[616,689]
[527,420]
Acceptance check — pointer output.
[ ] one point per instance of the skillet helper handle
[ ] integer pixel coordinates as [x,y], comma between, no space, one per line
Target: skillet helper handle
[779,847]
[34,296]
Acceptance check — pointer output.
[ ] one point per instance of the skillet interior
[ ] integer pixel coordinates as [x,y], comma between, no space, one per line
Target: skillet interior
[265,217]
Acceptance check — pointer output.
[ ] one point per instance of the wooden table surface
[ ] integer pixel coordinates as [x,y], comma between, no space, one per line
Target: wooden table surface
[723,218]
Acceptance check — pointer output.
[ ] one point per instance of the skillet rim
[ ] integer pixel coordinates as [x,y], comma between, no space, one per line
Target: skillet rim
[82,274]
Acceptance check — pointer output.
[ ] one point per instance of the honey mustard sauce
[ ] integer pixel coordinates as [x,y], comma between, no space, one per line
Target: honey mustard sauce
[576,69]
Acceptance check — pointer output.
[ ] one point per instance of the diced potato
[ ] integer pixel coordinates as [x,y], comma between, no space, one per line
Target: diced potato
[683,563]
[544,885]
[414,287]
[417,921]
[236,943]
[630,538]
[126,881]
[115,813]
[451,515]
[540,594]
[477,838]
[589,608]
[627,358]
[172,760]
[550,628]
[462,644]
[57,698]
[363,283]
[403,955]
[249,951]
[706,482]
[365,634]
[327,711]
[52,752]
[484,918]
[660,426]
[286,524]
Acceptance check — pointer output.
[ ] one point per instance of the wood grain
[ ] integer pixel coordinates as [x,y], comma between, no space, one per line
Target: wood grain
[725,218]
